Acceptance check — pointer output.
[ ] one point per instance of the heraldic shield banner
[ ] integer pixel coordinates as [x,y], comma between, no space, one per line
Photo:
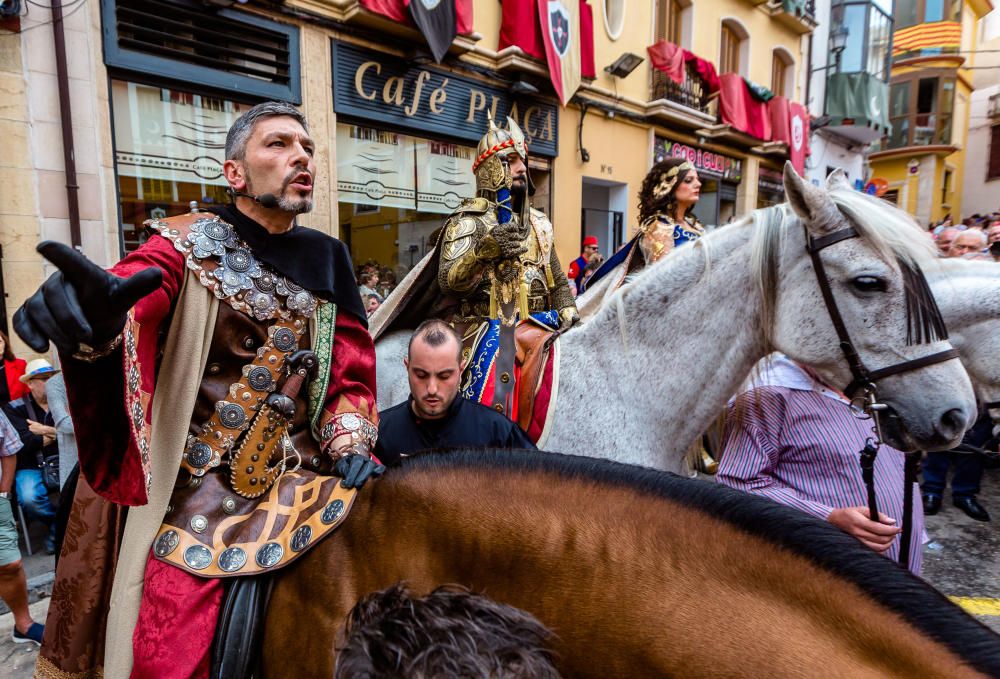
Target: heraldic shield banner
[560,22]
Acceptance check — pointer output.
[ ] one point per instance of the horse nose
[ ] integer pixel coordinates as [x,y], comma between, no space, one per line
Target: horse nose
[952,424]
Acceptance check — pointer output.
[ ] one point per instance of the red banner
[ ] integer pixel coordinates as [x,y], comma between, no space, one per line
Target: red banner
[739,108]
[669,58]
[587,68]
[560,23]
[799,147]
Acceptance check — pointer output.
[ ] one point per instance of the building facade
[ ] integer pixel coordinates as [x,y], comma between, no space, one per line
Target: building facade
[922,161]
[981,186]
[848,86]
[131,124]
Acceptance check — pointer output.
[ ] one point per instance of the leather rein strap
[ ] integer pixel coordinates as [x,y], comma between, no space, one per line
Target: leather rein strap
[863,377]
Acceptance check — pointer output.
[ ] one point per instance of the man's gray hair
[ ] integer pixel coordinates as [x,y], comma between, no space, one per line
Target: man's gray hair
[435,332]
[239,133]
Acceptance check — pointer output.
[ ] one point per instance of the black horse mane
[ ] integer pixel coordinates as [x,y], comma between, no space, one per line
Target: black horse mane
[885,582]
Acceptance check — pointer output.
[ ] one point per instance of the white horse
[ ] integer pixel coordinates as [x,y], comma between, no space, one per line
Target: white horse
[646,375]
[968,294]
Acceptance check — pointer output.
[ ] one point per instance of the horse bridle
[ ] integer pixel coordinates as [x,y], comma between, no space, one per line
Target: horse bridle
[864,379]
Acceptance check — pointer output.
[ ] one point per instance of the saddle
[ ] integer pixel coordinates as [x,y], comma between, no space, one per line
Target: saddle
[533,342]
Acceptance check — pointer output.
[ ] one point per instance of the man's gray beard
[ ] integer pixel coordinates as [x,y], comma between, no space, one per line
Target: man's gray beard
[295,206]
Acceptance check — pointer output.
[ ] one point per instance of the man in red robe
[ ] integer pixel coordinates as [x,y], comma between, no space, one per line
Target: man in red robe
[222,383]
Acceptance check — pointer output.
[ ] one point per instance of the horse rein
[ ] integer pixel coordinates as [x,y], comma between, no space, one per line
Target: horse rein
[865,380]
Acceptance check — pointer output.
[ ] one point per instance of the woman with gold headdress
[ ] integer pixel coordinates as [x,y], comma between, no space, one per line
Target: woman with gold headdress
[666,198]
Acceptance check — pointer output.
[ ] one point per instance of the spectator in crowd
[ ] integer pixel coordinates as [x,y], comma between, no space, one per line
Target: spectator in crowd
[588,271]
[372,302]
[993,231]
[13,584]
[966,479]
[31,417]
[435,416]
[368,281]
[577,266]
[11,386]
[968,242]
[795,440]
[944,240]
[387,282]
[394,634]
[55,394]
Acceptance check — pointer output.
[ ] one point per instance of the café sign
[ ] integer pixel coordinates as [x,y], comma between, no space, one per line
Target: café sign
[709,163]
[376,87]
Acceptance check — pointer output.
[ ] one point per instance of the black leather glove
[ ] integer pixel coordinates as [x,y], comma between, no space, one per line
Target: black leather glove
[79,303]
[355,469]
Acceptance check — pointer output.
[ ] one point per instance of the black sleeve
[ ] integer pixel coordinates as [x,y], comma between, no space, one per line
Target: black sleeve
[516,438]
[32,442]
[386,450]
[390,458]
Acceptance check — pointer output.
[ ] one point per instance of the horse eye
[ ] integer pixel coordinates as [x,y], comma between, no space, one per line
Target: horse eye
[869,284]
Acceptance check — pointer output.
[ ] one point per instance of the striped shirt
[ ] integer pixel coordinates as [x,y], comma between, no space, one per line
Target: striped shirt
[10,441]
[799,442]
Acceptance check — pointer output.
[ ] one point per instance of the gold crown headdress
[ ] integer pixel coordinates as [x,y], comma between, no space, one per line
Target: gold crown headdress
[669,179]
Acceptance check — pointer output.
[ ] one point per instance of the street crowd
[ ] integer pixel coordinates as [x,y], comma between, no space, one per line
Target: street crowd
[787,436]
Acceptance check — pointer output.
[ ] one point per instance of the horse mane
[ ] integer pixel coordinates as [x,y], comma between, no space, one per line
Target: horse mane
[885,582]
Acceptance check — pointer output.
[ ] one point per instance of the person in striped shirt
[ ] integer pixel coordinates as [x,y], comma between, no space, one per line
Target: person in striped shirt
[797,441]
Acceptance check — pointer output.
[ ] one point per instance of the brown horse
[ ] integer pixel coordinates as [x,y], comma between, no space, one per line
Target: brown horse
[612,559]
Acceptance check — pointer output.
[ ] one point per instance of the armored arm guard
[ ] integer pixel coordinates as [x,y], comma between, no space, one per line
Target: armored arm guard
[465,248]
[562,297]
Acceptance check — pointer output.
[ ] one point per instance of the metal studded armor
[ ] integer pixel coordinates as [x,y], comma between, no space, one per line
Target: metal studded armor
[254,489]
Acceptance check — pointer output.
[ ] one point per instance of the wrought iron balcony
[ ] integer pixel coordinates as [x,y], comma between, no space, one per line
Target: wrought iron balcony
[693,92]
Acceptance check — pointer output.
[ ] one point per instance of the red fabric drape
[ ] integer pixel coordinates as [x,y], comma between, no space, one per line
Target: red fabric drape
[669,58]
[799,124]
[396,10]
[704,69]
[519,27]
[740,109]
[587,67]
[778,111]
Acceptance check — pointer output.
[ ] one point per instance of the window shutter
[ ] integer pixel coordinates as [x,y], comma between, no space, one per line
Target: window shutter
[227,49]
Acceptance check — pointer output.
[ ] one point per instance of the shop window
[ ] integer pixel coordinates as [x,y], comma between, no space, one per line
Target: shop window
[614,18]
[993,171]
[169,150]
[734,46]
[224,49]
[395,190]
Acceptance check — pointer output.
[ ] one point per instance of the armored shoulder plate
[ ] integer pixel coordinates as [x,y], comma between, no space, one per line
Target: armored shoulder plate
[476,206]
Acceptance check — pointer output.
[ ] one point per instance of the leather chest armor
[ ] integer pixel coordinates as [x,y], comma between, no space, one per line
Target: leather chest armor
[286,499]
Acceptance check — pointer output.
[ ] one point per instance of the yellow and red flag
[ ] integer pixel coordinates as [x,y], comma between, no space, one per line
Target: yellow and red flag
[937,34]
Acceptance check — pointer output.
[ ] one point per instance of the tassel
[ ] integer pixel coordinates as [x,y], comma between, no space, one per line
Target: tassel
[493,299]
[549,280]
[523,299]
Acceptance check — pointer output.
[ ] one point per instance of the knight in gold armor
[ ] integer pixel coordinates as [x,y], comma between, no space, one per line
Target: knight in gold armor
[495,266]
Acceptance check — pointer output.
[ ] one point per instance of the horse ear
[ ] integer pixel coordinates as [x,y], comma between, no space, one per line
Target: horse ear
[810,203]
[837,180]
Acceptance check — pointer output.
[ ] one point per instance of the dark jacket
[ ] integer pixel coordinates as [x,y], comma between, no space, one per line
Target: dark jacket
[467,425]
[19,412]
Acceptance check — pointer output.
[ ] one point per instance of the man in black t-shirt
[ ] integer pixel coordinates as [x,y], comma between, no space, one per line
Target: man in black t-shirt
[434,416]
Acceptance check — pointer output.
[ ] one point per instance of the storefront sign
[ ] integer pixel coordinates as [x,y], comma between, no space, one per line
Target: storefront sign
[709,163]
[770,181]
[378,87]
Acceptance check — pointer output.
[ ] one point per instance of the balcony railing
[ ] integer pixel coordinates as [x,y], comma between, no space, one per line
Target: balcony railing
[693,92]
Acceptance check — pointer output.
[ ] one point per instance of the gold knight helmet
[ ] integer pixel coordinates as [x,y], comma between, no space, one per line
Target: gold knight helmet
[492,173]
